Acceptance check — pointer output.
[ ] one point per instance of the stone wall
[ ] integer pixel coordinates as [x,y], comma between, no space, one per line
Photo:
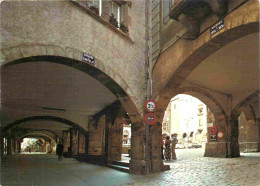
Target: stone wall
[60,28]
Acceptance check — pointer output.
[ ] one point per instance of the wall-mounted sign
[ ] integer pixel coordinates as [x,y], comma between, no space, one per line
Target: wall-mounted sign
[88,58]
[217,27]
[220,134]
[213,137]
[150,106]
[150,118]
[213,130]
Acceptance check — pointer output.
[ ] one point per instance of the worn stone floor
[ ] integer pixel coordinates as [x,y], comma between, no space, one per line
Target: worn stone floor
[189,169]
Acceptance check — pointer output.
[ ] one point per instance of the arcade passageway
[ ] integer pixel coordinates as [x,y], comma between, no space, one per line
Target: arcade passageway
[45,169]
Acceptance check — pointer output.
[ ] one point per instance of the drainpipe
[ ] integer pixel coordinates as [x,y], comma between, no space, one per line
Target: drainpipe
[148,79]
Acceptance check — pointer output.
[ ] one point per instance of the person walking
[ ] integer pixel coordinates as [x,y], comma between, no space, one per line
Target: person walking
[60,148]
[174,142]
[167,148]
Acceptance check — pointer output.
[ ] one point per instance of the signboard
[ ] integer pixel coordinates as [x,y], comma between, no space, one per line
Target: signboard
[88,58]
[150,118]
[220,134]
[213,130]
[213,137]
[150,106]
[217,27]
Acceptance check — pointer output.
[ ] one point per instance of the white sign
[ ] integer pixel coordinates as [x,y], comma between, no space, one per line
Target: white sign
[150,106]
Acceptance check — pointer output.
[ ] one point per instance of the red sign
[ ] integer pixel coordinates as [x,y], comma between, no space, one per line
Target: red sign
[150,118]
[220,134]
[150,106]
[213,130]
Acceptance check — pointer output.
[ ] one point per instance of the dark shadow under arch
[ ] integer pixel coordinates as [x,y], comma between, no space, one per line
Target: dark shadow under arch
[44,118]
[82,66]
[238,108]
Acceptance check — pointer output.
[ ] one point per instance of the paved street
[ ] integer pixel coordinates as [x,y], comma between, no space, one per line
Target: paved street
[189,169]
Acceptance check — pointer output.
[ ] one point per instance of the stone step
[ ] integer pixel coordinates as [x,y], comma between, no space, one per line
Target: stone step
[119,168]
[121,163]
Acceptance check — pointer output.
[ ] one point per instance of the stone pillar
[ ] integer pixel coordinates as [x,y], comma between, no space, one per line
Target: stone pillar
[248,135]
[138,165]
[2,146]
[218,148]
[234,145]
[156,143]
[66,140]
[73,142]
[115,140]
[82,143]
[44,147]
[18,146]
[9,143]
[97,137]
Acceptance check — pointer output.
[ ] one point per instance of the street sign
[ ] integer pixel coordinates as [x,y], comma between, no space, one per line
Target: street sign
[150,118]
[150,106]
[88,58]
[217,27]
[220,134]
[213,137]
[213,130]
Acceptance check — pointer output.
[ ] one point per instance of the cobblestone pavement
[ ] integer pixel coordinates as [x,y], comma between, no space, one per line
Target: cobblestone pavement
[190,169]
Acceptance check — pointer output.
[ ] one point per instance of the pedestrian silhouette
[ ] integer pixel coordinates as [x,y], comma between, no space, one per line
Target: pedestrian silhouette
[60,148]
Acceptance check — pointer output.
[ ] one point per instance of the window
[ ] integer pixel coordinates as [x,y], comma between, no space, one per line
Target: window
[115,9]
[166,8]
[167,4]
[95,3]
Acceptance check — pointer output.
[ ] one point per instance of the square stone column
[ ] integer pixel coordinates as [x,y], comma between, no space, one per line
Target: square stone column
[218,148]
[82,143]
[138,162]
[156,143]
[115,140]
[73,142]
[66,140]
[9,143]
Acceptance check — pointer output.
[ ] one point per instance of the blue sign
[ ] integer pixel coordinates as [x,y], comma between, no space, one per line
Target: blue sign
[88,58]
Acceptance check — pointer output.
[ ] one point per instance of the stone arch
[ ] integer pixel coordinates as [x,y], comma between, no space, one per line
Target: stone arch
[200,94]
[36,135]
[45,118]
[33,135]
[73,58]
[245,107]
[221,119]
[249,130]
[191,54]
[40,130]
